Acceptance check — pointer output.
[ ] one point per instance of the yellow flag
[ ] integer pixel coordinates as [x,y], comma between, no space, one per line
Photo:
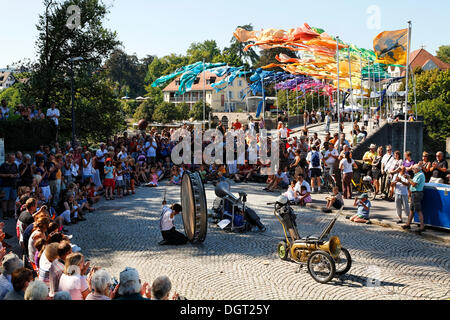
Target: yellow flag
[391,47]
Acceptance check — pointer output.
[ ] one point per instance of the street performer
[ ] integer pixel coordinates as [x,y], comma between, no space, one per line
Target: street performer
[167,227]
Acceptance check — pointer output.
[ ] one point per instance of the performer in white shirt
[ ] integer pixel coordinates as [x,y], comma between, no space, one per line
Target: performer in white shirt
[167,227]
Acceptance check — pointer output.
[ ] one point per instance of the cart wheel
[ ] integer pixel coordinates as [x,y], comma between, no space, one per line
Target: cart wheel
[321,266]
[282,250]
[343,262]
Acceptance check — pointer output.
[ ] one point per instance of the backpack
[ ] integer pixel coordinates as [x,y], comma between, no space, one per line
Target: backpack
[315,159]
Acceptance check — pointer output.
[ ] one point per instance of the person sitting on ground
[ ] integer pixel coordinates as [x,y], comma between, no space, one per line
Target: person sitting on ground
[300,194]
[176,176]
[304,196]
[57,267]
[36,290]
[161,289]
[130,287]
[153,178]
[335,199]
[62,295]
[169,234]
[73,279]
[20,280]
[363,214]
[290,193]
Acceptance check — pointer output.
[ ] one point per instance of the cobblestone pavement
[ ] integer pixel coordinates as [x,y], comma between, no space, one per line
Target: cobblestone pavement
[387,264]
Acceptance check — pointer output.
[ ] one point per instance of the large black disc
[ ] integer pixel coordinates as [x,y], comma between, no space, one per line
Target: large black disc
[195,212]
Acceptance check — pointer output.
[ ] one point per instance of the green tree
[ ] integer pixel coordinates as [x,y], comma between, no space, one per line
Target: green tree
[436,116]
[145,110]
[249,57]
[183,109]
[165,112]
[203,50]
[12,96]
[268,57]
[443,53]
[128,72]
[197,111]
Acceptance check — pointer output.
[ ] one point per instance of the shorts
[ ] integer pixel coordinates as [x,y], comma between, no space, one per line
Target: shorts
[10,193]
[316,172]
[120,184]
[109,183]
[416,201]
[337,204]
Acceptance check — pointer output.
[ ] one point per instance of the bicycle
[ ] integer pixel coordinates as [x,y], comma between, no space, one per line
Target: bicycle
[365,185]
[328,181]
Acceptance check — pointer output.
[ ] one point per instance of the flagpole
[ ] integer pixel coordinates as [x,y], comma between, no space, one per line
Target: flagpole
[351,86]
[415,97]
[337,105]
[361,88]
[204,93]
[407,85]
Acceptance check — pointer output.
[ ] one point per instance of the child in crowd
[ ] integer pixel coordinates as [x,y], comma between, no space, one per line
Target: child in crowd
[176,177]
[153,178]
[132,171]
[203,173]
[335,199]
[126,178]
[304,200]
[109,182]
[92,193]
[120,185]
[363,204]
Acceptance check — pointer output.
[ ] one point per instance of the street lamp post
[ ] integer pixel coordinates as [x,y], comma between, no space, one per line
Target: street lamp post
[72,89]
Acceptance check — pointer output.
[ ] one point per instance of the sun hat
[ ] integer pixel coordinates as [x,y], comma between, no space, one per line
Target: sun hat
[372,146]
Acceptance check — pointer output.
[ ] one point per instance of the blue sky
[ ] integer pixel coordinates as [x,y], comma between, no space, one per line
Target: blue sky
[163,27]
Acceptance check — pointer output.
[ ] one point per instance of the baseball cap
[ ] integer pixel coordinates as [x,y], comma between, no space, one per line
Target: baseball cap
[11,262]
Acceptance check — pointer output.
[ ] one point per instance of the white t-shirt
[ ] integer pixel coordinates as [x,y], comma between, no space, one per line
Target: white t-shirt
[166,222]
[282,132]
[388,164]
[100,155]
[400,188]
[366,117]
[330,161]
[151,148]
[51,113]
[74,169]
[75,285]
[298,186]
[348,167]
[88,170]
[309,157]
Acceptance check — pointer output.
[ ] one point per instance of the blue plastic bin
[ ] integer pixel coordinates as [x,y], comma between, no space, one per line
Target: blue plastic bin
[436,205]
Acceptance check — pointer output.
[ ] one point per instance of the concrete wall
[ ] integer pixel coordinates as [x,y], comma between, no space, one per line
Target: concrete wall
[392,133]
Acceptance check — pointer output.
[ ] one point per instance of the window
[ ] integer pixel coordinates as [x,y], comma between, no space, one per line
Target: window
[197,80]
[231,83]
[177,82]
[240,83]
[230,94]
[241,94]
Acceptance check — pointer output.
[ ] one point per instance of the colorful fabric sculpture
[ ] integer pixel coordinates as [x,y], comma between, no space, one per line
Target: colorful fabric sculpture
[391,47]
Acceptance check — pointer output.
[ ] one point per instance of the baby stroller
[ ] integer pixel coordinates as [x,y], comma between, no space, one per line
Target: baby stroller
[231,212]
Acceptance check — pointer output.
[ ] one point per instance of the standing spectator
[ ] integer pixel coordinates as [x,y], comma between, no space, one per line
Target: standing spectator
[87,167]
[19,158]
[20,280]
[439,168]
[416,187]
[9,174]
[346,166]
[386,165]
[101,157]
[408,163]
[376,169]
[10,263]
[367,160]
[4,110]
[53,113]
[395,168]
[366,119]
[327,122]
[401,183]
[25,171]
[314,158]
[330,157]
[426,166]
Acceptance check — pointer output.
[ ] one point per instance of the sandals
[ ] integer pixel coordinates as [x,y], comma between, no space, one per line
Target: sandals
[405,227]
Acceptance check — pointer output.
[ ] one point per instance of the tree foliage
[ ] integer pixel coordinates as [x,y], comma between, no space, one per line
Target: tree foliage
[443,53]
[165,112]
[145,110]
[197,111]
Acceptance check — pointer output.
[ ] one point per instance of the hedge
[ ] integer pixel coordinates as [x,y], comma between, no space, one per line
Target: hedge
[27,135]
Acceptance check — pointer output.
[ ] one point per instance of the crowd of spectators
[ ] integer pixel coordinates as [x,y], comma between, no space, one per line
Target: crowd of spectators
[47,191]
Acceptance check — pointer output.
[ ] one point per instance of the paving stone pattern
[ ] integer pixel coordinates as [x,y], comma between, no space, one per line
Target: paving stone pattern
[387,264]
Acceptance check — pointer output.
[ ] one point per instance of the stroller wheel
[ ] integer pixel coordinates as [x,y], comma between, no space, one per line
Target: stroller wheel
[282,250]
